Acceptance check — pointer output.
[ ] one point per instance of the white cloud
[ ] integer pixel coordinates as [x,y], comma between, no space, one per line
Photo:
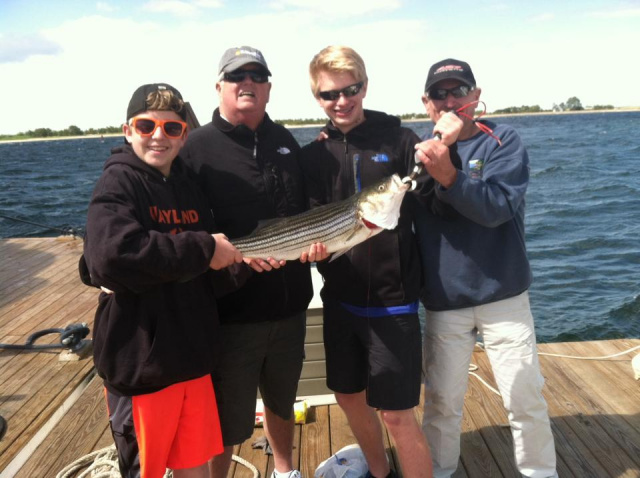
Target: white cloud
[105,7]
[174,7]
[18,48]
[345,9]
[209,3]
[620,13]
[543,17]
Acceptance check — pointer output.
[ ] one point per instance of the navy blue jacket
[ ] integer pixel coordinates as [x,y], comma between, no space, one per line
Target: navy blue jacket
[477,253]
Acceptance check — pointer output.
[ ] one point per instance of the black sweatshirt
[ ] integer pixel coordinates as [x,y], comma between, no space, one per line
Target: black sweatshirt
[147,240]
[250,176]
[383,271]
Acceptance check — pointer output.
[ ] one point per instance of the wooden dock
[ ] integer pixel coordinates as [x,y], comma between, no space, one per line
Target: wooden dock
[56,413]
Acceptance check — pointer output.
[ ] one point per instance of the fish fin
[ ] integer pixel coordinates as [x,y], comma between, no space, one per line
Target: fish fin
[339,252]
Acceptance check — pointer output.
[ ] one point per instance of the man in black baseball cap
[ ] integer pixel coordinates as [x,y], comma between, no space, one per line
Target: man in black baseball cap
[451,87]
[450,69]
[476,282]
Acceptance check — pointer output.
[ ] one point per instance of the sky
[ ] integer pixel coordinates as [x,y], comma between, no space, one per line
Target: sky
[72,62]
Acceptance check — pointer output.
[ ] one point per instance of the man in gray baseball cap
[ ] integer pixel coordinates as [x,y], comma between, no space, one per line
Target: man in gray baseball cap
[238,57]
[248,167]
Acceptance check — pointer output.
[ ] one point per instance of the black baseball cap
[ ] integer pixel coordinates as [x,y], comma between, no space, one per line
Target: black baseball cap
[237,57]
[450,69]
[138,102]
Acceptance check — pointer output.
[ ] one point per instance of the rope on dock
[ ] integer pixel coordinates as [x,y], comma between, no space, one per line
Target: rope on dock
[474,367]
[69,231]
[103,463]
[70,338]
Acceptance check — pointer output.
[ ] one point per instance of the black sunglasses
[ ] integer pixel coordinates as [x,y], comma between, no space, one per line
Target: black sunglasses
[457,92]
[240,75]
[348,92]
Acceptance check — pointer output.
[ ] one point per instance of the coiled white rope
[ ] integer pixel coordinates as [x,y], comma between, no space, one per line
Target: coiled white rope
[103,463]
[474,367]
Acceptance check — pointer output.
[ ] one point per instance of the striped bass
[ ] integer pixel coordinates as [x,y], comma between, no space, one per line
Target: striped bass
[339,225]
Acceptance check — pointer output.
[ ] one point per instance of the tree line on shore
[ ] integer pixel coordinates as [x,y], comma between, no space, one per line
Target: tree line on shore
[572,104]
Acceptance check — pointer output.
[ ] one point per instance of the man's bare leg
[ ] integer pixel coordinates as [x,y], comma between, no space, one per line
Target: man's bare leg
[366,427]
[411,444]
[219,464]
[280,432]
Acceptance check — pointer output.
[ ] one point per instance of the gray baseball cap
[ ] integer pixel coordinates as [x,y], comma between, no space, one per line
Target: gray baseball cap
[236,57]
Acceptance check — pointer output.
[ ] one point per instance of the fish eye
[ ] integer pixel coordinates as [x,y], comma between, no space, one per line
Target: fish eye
[381,187]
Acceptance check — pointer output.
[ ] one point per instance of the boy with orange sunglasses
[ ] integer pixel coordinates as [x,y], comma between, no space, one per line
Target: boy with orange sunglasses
[148,247]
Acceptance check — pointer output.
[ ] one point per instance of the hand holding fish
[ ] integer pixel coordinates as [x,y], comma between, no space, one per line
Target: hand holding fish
[225,253]
[317,252]
[263,265]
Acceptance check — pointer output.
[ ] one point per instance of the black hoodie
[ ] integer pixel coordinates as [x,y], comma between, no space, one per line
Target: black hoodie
[251,176]
[383,271]
[147,241]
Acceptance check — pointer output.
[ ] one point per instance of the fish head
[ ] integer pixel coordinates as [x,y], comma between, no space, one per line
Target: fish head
[379,204]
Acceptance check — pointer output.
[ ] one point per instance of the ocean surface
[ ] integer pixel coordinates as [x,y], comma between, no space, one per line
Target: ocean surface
[582,222]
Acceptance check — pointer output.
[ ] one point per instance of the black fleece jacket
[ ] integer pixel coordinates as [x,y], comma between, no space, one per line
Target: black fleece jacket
[251,176]
[147,241]
[383,271]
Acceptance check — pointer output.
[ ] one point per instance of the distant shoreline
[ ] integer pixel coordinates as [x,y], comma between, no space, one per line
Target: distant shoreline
[625,109]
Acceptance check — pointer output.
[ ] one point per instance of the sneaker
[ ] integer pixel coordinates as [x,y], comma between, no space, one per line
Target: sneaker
[291,474]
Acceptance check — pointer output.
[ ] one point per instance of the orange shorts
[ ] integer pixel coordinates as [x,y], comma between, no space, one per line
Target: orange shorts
[176,427]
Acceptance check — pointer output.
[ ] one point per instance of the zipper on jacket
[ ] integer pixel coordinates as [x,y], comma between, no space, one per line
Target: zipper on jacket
[255,145]
[357,183]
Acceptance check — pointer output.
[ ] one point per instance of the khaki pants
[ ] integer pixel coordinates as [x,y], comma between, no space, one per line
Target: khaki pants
[509,338]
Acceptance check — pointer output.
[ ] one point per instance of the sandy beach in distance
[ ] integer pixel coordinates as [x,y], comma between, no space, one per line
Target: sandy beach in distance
[315,125]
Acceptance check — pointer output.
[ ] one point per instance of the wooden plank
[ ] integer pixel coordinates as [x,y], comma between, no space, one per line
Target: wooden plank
[314,316]
[314,351]
[314,369]
[43,268]
[253,456]
[606,435]
[79,433]
[314,334]
[35,411]
[315,440]
[485,411]
[50,300]
[577,440]
[313,386]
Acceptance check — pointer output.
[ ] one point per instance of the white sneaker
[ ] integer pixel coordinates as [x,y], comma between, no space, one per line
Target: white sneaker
[291,474]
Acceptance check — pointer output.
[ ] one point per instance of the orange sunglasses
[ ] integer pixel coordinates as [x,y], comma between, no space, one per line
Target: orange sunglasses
[148,126]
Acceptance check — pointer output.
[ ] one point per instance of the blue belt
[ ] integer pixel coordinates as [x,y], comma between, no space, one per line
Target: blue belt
[381,311]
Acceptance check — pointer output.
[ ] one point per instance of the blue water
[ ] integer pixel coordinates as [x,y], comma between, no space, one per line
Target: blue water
[583,212]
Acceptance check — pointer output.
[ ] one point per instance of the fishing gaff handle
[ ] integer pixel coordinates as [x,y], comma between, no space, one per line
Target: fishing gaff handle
[417,169]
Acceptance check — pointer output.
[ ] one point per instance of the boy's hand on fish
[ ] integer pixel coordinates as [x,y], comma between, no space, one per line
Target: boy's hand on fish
[317,252]
[225,253]
[264,265]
